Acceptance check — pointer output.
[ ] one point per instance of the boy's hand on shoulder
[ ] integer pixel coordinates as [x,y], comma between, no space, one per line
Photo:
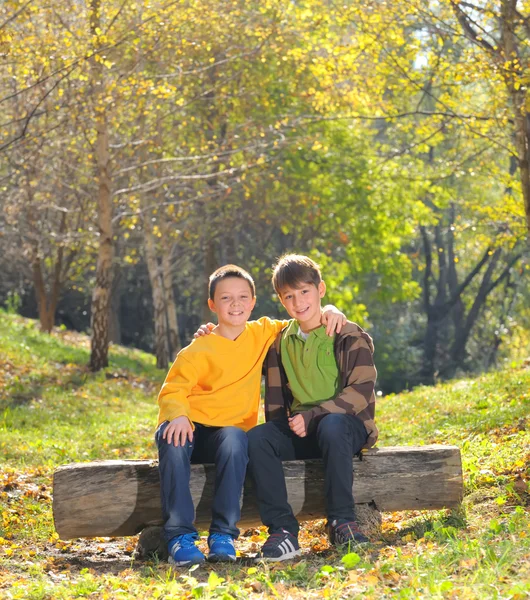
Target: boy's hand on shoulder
[332,319]
[204,330]
[178,431]
[297,425]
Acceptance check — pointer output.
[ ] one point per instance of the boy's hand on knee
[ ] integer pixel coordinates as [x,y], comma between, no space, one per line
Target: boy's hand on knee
[297,425]
[204,330]
[332,319]
[178,431]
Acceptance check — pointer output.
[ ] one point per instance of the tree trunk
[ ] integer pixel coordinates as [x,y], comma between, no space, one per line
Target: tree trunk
[430,344]
[509,19]
[159,305]
[457,312]
[432,310]
[522,144]
[45,307]
[115,498]
[114,315]
[171,307]
[210,264]
[99,320]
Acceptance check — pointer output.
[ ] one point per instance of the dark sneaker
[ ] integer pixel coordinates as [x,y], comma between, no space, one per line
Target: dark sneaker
[183,551]
[281,545]
[221,547]
[342,532]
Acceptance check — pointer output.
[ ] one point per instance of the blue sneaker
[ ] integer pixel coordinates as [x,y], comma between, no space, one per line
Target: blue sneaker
[222,547]
[183,551]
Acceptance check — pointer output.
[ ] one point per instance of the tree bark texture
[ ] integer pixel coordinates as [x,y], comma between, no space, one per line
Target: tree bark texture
[162,350]
[171,306]
[114,498]
[518,93]
[101,295]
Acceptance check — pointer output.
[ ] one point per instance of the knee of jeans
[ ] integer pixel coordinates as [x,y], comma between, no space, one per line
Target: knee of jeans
[257,437]
[172,453]
[332,426]
[234,438]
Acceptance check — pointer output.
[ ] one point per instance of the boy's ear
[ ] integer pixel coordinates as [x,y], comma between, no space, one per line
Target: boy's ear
[211,305]
[321,289]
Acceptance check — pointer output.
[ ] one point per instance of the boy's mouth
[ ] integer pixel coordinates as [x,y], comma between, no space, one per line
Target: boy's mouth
[302,311]
[236,313]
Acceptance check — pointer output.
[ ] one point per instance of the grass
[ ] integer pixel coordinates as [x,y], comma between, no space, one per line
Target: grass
[53,411]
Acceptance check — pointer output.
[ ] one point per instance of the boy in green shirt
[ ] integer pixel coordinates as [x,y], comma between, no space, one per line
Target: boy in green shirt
[319,402]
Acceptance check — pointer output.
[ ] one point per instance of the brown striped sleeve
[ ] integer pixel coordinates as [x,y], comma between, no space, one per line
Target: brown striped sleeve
[277,395]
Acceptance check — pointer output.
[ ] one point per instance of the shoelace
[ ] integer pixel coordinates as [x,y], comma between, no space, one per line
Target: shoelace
[276,538]
[186,541]
[342,530]
[222,537]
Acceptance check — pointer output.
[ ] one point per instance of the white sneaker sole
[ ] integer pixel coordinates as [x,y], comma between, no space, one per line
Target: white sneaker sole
[287,556]
[184,563]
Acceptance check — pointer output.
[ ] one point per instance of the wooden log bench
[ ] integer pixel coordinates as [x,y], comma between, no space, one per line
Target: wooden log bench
[122,497]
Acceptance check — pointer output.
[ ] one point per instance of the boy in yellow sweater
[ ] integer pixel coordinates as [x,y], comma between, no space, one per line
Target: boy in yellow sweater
[210,398]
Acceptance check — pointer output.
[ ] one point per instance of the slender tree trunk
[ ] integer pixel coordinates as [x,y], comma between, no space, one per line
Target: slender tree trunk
[509,19]
[430,343]
[458,310]
[162,351]
[99,321]
[171,306]
[114,315]
[522,143]
[46,306]
[210,264]
[434,310]
[47,299]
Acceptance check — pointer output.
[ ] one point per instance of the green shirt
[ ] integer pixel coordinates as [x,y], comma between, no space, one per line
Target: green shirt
[310,366]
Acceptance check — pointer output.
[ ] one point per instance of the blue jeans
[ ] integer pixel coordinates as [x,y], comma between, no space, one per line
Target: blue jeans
[227,447]
[336,439]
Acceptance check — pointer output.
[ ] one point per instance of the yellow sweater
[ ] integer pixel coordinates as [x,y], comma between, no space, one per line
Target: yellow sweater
[216,381]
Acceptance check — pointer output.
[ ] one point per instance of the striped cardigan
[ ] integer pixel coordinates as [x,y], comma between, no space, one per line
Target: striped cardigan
[353,349]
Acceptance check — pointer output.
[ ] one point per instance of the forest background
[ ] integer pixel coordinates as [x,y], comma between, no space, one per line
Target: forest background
[143,144]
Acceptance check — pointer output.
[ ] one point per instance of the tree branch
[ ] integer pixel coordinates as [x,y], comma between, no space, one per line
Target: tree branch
[472,34]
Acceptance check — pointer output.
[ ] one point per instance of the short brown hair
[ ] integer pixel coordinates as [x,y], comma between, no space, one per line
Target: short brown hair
[293,270]
[229,271]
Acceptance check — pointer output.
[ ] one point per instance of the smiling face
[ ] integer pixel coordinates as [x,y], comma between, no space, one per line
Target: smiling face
[233,301]
[303,303]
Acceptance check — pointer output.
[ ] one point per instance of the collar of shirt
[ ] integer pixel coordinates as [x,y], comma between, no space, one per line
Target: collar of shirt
[294,329]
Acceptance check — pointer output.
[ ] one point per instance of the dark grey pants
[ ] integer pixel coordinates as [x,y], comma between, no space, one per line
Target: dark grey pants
[337,439]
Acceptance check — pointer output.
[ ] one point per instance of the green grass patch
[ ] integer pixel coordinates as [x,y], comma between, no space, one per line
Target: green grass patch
[53,411]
